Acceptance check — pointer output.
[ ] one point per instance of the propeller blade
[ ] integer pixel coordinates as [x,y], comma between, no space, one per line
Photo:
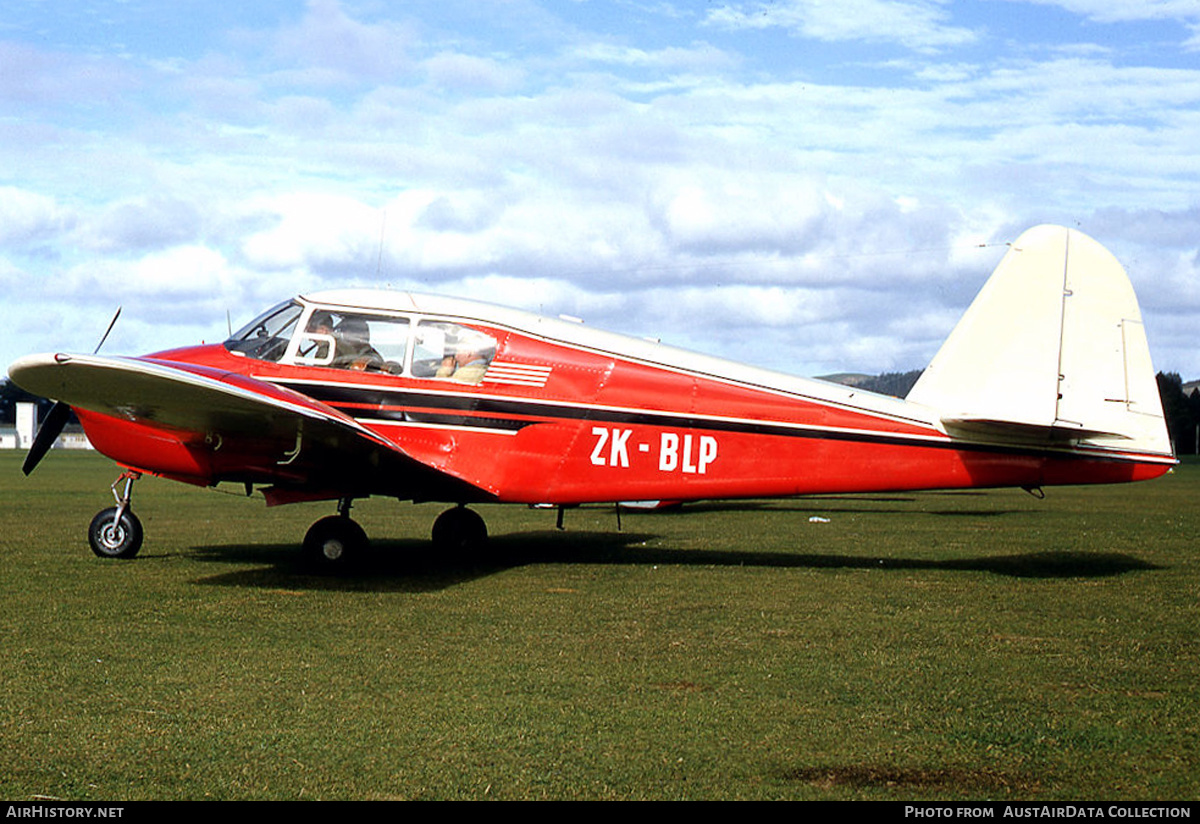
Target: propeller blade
[57,418]
[111,324]
[52,426]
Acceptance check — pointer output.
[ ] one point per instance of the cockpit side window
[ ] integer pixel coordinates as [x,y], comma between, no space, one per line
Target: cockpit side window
[453,351]
[348,339]
[353,340]
[267,336]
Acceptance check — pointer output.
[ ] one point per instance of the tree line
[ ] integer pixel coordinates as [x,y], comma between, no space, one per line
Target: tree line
[11,395]
[1182,412]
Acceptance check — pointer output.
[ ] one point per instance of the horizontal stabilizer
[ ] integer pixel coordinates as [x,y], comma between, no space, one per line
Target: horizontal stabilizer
[1015,430]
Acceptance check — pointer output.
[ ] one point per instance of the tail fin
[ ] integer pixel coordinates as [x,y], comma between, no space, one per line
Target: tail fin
[1052,348]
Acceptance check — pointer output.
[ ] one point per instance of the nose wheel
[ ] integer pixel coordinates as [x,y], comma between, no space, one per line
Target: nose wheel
[116,532]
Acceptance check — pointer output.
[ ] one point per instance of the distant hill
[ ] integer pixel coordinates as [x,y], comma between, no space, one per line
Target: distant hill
[889,383]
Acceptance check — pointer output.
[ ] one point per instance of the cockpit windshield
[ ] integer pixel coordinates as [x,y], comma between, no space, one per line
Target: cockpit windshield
[267,336]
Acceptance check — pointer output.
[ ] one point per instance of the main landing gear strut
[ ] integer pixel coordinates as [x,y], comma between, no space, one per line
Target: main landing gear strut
[116,532]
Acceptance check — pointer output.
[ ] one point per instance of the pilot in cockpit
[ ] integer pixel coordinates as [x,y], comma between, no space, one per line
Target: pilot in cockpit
[351,339]
[353,346]
[321,323]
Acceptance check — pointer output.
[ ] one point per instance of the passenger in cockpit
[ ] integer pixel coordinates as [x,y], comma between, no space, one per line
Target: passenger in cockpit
[470,366]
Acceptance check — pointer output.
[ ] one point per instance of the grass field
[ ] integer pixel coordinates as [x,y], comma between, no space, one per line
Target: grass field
[925,646]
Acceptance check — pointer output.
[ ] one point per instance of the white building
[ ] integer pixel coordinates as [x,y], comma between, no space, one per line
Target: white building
[21,436]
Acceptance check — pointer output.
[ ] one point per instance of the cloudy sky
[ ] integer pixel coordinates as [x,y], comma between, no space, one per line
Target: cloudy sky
[813,185]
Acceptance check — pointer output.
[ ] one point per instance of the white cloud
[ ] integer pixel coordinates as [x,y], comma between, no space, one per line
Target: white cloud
[30,218]
[181,273]
[333,48]
[915,24]
[191,271]
[141,224]
[1124,11]
[41,79]
[467,73]
[313,231]
[694,57]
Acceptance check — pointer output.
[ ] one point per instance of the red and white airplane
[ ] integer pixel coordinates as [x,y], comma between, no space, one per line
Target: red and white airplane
[342,395]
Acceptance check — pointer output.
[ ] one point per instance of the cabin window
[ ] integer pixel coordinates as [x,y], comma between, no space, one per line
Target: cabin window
[267,336]
[452,351]
[353,340]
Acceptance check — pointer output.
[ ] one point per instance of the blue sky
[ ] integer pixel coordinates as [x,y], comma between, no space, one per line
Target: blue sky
[814,186]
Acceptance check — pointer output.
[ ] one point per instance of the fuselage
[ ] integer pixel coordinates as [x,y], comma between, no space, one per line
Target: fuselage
[531,409]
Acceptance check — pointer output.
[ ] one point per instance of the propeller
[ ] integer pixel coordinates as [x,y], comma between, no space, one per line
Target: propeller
[51,428]
[56,419]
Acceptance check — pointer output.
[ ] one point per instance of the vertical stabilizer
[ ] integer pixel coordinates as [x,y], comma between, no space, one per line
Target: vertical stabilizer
[1052,347]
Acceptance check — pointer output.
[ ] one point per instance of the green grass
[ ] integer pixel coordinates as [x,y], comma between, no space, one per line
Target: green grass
[931,646]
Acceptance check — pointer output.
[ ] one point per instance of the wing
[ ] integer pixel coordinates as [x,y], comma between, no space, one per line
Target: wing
[143,411]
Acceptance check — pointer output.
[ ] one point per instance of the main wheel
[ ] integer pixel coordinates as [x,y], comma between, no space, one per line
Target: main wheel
[113,538]
[334,542]
[459,529]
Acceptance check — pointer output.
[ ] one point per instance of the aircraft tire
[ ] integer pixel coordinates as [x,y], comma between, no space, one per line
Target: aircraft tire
[334,542]
[459,530]
[109,538]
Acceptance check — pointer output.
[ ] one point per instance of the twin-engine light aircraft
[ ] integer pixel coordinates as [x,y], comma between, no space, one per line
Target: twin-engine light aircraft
[342,395]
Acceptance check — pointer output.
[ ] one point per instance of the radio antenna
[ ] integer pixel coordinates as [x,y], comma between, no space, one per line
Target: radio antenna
[379,258]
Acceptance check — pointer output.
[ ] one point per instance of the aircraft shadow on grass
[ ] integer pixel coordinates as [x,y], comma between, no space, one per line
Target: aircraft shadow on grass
[408,566]
[834,506]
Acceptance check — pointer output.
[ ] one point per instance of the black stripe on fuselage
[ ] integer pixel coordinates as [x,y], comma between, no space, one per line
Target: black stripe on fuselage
[369,403]
[512,415]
